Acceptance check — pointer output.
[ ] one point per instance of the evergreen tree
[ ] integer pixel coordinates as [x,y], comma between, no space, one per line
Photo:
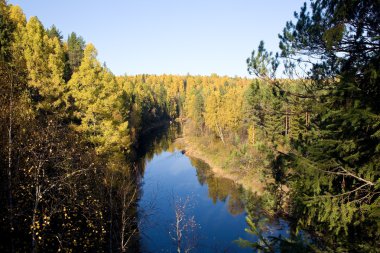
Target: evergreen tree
[54,32]
[6,32]
[195,108]
[335,166]
[75,48]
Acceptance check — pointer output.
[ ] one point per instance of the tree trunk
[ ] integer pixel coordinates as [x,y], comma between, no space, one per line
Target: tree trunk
[287,121]
[286,124]
[179,233]
[220,133]
[253,134]
[37,188]
[9,172]
[123,223]
[36,202]
[111,214]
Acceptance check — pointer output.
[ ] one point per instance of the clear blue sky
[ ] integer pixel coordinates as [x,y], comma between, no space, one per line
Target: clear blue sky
[169,36]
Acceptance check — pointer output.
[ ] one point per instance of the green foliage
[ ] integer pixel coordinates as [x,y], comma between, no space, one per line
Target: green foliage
[53,32]
[66,114]
[259,226]
[6,32]
[195,107]
[334,166]
[75,51]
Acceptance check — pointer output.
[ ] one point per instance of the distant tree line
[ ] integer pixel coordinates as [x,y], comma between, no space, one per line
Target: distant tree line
[70,129]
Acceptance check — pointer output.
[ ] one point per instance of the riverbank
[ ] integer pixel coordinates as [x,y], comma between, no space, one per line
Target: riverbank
[194,147]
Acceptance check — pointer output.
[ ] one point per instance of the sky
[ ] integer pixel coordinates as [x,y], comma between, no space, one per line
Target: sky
[197,37]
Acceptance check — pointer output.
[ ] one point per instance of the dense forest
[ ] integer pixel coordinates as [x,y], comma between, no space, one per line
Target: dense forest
[71,131]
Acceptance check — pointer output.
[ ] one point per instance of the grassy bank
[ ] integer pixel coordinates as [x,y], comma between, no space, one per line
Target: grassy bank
[234,162]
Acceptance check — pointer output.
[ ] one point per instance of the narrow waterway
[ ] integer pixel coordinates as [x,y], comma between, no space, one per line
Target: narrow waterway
[182,204]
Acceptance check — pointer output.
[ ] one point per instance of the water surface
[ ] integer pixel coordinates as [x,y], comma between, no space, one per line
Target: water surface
[216,205]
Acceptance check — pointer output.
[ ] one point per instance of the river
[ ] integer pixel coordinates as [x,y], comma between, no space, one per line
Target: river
[184,205]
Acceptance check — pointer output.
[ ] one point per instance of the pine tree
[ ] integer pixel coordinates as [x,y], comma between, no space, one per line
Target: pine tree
[6,32]
[335,166]
[75,46]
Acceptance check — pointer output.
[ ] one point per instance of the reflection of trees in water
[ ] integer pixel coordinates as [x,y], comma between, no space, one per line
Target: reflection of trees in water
[124,188]
[268,238]
[272,233]
[184,228]
[122,181]
[154,142]
[219,189]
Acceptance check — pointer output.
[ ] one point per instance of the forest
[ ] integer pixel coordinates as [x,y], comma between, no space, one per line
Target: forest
[71,131]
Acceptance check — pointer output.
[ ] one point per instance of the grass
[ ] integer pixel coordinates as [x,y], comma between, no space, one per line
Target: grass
[239,162]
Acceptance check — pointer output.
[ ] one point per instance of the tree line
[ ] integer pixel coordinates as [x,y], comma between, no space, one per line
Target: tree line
[71,128]
[70,131]
[332,165]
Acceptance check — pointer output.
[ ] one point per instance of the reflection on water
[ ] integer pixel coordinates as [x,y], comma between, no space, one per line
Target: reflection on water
[181,194]
[156,141]
[216,205]
[219,189]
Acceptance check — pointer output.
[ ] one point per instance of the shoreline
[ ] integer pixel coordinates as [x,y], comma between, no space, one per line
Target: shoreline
[255,186]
